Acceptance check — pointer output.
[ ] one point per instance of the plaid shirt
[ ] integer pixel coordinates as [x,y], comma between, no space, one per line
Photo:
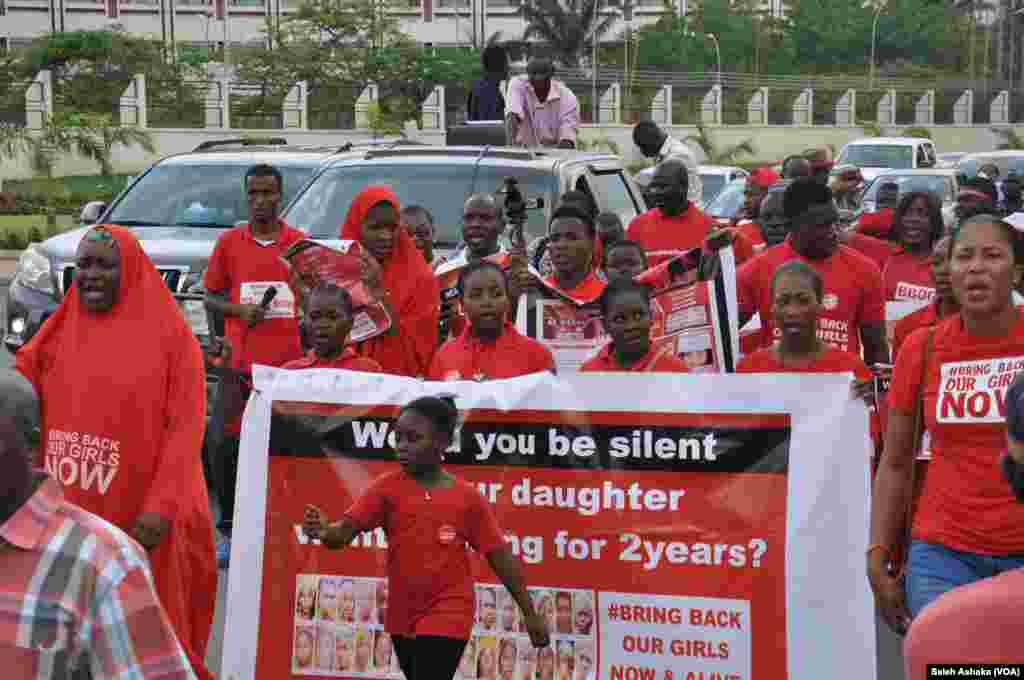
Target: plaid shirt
[77,599]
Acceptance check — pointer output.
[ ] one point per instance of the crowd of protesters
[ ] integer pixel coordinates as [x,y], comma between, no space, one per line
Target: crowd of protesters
[946,533]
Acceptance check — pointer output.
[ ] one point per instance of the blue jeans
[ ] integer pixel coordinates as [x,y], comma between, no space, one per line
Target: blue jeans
[934,569]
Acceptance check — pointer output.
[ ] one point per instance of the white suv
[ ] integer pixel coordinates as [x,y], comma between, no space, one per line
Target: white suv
[873,155]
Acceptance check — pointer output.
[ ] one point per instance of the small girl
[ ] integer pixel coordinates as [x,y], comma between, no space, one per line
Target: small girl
[429,516]
[626,312]
[328,322]
[490,348]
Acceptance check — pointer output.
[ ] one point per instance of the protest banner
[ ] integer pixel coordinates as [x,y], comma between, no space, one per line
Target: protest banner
[717,534]
[312,263]
[695,318]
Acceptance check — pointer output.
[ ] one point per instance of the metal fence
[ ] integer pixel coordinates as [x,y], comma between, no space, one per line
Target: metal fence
[174,103]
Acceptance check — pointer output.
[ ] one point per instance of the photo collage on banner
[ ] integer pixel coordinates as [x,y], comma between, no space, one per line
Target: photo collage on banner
[652,539]
[339,628]
[500,648]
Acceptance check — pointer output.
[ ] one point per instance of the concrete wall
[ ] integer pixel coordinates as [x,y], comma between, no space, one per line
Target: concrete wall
[773,142]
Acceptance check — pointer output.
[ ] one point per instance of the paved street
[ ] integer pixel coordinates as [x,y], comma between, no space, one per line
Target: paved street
[890,666]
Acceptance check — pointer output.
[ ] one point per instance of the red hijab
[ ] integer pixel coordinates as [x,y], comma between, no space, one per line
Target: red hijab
[123,401]
[412,293]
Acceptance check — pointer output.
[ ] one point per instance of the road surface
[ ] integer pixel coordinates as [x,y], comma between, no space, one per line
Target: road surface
[890,666]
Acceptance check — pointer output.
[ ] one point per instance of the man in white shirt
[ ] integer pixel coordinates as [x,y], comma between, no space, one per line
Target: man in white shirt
[655,143]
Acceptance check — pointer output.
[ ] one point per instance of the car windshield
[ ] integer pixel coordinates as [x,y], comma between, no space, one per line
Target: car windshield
[197,195]
[711,185]
[878,156]
[940,185]
[727,204]
[969,165]
[442,190]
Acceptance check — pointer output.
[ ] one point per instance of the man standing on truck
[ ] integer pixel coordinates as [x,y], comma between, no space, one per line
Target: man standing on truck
[247,287]
[541,111]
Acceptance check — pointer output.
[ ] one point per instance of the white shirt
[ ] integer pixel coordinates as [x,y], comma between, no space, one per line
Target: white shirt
[675,148]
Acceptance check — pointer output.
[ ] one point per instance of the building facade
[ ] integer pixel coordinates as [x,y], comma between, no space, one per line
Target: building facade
[227,23]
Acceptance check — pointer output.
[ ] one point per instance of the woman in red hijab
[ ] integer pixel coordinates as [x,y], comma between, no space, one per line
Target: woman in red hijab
[399,276]
[123,394]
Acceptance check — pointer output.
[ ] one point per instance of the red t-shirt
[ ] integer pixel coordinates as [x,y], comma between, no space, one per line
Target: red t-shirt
[853,293]
[655,361]
[831,361]
[664,237]
[429,570]
[878,223]
[926,317]
[244,268]
[875,249]
[751,231]
[510,356]
[908,277]
[348,360]
[587,290]
[966,504]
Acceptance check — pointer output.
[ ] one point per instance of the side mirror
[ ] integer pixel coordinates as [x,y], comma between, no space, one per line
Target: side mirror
[91,212]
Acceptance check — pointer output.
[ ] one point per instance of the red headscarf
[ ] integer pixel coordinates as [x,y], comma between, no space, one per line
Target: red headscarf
[123,396]
[412,293]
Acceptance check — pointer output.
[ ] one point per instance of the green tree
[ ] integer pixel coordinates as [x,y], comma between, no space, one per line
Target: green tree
[836,35]
[748,41]
[336,44]
[568,26]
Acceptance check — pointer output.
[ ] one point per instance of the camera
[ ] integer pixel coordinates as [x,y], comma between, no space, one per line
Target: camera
[515,208]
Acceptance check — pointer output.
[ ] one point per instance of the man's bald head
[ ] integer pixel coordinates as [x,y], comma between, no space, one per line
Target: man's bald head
[669,187]
[19,412]
[672,168]
[796,167]
[19,437]
[482,201]
[481,224]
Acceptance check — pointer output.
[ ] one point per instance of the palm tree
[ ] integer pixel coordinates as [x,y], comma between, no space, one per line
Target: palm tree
[1011,141]
[93,136]
[715,155]
[14,140]
[567,28]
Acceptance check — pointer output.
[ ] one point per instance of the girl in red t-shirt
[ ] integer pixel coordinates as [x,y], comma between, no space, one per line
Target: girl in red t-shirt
[328,322]
[429,517]
[917,226]
[797,292]
[626,312]
[967,525]
[943,304]
[490,347]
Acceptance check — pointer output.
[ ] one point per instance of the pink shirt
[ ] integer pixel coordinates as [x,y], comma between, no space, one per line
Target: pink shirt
[554,119]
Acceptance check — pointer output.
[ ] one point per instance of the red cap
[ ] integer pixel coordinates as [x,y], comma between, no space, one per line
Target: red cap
[763,177]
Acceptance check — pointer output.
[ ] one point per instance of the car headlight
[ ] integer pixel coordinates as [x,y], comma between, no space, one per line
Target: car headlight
[35,271]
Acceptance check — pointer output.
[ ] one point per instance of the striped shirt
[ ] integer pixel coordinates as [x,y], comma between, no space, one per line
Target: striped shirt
[77,599]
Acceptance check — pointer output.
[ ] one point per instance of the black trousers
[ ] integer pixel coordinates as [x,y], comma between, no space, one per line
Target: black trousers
[428,657]
[225,465]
